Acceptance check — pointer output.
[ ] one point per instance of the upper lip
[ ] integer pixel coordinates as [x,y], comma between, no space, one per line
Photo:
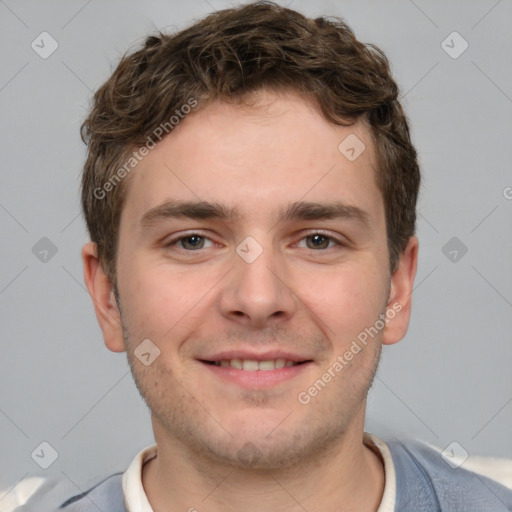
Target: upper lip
[256,356]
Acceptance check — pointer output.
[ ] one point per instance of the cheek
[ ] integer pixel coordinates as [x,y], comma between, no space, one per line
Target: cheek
[159,301]
[346,299]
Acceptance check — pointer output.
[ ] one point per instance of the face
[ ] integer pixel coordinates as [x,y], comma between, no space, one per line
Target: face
[253,254]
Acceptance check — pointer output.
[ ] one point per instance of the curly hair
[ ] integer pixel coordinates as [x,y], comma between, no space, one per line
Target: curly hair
[226,56]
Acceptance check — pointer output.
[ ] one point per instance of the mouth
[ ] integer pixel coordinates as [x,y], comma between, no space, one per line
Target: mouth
[253,365]
[252,373]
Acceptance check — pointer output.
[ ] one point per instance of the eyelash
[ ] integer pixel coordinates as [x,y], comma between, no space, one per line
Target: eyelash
[175,241]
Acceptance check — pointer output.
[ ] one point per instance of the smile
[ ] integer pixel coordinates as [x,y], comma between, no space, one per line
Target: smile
[254,374]
[252,365]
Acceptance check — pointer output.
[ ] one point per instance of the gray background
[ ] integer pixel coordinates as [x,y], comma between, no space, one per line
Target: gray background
[449,380]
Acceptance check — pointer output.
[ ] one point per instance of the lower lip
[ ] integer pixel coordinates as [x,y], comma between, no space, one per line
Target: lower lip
[257,378]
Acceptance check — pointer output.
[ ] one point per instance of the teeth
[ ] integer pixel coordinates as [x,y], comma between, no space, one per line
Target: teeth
[266,365]
[251,365]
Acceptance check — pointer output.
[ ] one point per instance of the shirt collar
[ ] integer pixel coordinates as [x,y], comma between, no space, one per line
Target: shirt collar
[135,498]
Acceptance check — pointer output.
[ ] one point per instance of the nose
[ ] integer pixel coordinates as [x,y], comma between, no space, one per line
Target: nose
[257,293]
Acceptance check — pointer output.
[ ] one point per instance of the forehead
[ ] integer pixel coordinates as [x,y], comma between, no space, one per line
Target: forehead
[256,158]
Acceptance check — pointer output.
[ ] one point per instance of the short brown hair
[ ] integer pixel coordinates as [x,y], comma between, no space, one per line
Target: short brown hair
[226,56]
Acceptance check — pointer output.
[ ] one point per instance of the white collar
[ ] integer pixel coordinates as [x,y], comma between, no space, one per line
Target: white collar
[135,498]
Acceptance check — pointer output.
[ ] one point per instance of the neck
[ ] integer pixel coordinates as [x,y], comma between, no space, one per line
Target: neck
[349,477]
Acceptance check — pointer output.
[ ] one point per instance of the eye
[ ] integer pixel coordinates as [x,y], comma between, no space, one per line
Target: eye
[320,241]
[191,242]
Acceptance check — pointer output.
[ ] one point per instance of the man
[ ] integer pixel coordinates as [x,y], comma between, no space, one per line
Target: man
[250,192]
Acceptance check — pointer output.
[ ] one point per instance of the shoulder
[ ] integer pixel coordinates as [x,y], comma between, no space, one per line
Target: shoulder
[52,494]
[58,494]
[427,480]
[106,495]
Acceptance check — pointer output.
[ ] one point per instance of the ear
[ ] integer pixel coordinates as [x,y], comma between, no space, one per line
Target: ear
[398,311]
[102,294]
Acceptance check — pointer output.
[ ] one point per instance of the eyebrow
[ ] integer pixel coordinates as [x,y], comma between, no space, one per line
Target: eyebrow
[323,211]
[188,209]
[298,210]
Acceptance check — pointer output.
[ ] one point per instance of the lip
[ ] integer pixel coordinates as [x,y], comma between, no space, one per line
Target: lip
[258,379]
[261,356]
